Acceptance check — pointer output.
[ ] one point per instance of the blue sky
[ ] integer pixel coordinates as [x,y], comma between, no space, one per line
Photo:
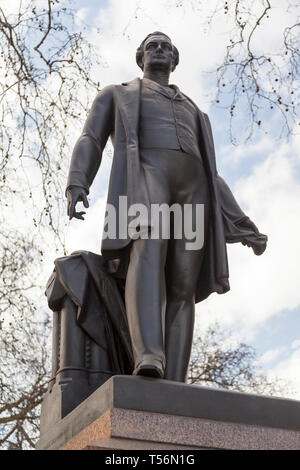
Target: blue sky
[263,305]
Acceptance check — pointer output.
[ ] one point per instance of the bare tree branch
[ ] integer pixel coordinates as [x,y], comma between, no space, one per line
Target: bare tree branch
[251,80]
[218,362]
[46,87]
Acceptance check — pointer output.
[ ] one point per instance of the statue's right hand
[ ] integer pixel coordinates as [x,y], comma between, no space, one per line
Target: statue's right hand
[74,195]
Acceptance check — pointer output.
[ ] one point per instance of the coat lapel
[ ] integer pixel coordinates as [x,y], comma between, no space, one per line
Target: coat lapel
[216,254]
[129,106]
[206,140]
[128,96]
[207,137]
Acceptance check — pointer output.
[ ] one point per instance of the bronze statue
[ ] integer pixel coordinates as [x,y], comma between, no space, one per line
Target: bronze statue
[163,154]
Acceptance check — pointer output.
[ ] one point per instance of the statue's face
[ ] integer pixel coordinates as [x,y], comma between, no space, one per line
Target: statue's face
[158,54]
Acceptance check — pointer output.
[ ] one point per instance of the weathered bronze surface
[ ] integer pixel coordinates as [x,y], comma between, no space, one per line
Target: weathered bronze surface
[163,154]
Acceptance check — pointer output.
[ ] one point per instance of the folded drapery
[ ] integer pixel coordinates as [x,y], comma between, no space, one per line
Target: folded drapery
[237,226]
[100,303]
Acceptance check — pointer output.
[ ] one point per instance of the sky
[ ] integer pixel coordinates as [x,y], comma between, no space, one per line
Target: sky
[263,305]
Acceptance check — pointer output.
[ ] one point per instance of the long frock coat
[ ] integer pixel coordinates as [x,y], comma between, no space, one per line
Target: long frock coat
[115,114]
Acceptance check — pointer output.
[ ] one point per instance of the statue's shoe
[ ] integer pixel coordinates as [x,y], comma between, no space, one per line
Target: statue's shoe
[147,369]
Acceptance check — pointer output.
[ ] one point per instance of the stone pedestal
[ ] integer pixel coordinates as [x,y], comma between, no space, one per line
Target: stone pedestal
[139,413]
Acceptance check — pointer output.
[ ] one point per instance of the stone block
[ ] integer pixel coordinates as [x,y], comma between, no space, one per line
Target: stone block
[140,413]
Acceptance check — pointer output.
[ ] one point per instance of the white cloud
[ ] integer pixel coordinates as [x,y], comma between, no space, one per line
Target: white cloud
[234,155]
[264,286]
[288,369]
[295,344]
[86,235]
[270,356]
[269,35]
[81,15]
[11,6]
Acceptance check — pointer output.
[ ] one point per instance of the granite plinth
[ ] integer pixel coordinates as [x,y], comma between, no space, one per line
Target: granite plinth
[145,413]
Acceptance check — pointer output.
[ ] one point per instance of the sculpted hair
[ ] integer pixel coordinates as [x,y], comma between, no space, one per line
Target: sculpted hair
[140,50]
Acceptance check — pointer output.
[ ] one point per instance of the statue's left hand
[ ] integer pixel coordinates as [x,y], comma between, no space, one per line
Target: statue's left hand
[74,195]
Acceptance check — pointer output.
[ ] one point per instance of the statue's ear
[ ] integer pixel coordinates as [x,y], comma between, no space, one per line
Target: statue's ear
[173,67]
[175,59]
[140,61]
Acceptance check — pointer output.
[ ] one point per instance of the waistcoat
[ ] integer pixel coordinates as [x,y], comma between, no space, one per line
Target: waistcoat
[167,119]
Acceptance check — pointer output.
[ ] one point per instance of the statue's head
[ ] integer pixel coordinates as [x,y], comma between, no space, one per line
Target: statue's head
[157,52]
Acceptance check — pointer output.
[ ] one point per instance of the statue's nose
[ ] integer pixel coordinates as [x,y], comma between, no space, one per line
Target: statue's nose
[159,48]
